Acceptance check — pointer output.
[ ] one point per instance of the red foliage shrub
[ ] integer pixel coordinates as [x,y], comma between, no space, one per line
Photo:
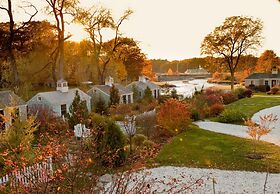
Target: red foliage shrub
[216,109]
[120,109]
[274,90]
[248,93]
[213,99]
[209,91]
[174,115]
[229,98]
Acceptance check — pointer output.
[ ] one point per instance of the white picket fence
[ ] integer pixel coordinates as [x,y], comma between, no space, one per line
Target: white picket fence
[37,173]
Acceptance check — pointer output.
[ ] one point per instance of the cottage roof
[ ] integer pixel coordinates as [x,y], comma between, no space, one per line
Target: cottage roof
[263,76]
[106,89]
[10,99]
[144,85]
[58,97]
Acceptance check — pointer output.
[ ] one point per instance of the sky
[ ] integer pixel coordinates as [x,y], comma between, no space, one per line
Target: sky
[174,29]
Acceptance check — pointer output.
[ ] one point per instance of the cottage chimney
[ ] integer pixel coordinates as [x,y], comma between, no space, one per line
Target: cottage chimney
[109,81]
[62,86]
[274,70]
[142,78]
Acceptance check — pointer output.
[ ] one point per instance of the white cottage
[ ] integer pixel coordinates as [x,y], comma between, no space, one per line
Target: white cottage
[58,101]
[11,106]
[269,79]
[144,83]
[103,92]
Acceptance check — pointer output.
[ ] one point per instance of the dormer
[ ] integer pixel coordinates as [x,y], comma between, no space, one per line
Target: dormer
[109,81]
[142,78]
[62,85]
[274,70]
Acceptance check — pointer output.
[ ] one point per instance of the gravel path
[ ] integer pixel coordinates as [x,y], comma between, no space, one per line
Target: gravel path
[170,179]
[240,131]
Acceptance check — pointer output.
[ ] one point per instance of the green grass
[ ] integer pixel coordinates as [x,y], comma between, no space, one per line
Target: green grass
[250,106]
[204,149]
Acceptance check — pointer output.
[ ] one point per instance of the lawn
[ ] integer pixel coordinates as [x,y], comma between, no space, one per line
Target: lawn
[250,106]
[204,149]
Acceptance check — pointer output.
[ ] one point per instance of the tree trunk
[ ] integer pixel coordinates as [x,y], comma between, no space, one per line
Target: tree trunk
[232,80]
[11,56]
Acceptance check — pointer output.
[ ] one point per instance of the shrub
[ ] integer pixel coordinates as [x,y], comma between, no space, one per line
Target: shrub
[195,116]
[243,93]
[138,139]
[147,123]
[216,109]
[231,116]
[228,98]
[110,141]
[120,109]
[263,88]
[174,115]
[149,144]
[274,90]
[114,96]
[78,112]
[213,99]
[148,96]
[248,93]
[252,87]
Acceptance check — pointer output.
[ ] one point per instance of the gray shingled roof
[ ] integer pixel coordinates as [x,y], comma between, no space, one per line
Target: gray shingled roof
[58,97]
[144,85]
[106,89]
[9,99]
[263,76]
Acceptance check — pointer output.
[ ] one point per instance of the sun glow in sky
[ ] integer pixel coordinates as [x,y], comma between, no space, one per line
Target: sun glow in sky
[174,29]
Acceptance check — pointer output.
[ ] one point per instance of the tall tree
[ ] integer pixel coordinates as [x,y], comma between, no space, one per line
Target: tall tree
[114,96]
[13,30]
[59,8]
[95,21]
[235,37]
[267,61]
[131,56]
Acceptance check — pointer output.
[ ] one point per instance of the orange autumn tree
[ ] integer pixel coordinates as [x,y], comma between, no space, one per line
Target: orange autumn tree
[174,115]
[256,131]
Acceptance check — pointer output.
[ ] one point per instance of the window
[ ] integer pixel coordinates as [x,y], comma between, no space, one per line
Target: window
[158,93]
[266,82]
[39,98]
[140,94]
[2,123]
[252,82]
[129,99]
[155,93]
[64,84]
[63,109]
[124,99]
[59,85]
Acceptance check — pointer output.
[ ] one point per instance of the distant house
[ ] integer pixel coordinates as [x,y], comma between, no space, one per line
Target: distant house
[198,71]
[103,92]
[142,84]
[58,101]
[11,106]
[271,79]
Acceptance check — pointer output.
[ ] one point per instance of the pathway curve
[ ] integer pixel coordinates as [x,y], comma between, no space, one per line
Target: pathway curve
[168,179]
[240,131]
